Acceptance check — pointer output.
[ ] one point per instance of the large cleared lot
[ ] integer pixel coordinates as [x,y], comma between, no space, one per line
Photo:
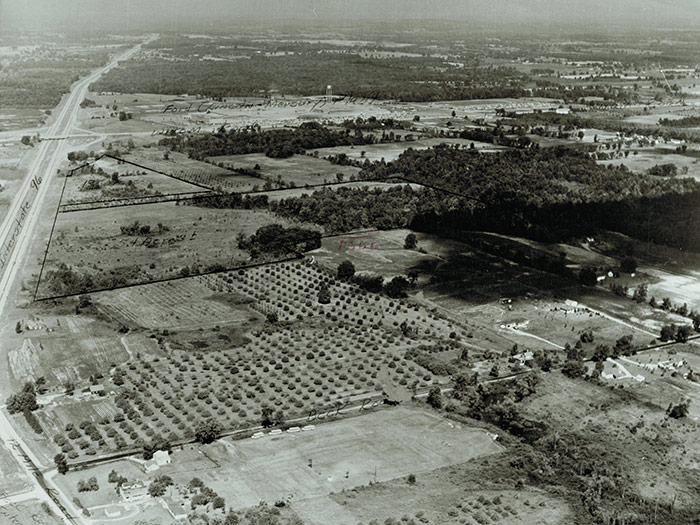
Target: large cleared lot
[378,446]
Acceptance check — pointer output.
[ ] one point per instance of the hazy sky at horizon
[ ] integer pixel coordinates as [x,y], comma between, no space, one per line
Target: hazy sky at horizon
[178,14]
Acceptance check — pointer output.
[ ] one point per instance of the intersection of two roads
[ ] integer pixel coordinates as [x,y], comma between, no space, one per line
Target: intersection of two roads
[16,237]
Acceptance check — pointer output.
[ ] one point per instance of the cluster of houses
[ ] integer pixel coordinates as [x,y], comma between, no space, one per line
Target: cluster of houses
[136,492]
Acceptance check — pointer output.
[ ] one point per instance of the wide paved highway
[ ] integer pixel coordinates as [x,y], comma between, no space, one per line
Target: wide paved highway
[17,235]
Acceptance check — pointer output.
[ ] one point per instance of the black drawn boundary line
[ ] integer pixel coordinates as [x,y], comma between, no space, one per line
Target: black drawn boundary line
[154,196]
[53,226]
[158,171]
[297,256]
[119,203]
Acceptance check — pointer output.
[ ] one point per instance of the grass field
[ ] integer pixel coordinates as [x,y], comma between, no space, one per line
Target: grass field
[114,125]
[13,479]
[442,497]
[25,512]
[378,251]
[644,158]
[133,182]
[91,241]
[646,322]
[375,447]
[391,150]
[21,118]
[297,170]
[682,287]
[182,305]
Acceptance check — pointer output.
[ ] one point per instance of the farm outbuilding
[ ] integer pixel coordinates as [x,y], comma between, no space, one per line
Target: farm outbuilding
[176,510]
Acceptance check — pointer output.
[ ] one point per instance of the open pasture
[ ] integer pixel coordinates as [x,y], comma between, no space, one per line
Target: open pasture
[682,287]
[642,159]
[104,123]
[379,252]
[182,167]
[378,446]
[636,318]
[14,479]
[391,150]
[375,447]
[296,170]
[441,497]
[21,118]
[83,186]
[180,239]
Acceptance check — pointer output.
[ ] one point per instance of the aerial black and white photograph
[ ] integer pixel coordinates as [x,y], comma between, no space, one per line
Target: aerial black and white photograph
[349,262]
